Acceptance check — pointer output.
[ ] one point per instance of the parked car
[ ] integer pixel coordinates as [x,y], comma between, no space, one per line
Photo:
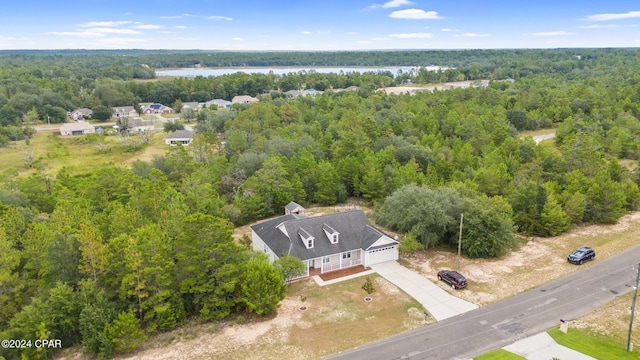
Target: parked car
[452,278]
[579,256]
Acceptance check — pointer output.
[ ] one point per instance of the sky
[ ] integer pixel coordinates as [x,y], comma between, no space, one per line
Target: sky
[324,25]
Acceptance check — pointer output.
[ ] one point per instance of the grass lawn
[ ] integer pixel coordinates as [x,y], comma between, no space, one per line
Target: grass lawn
[499,354]
[337,318]
[599,347]
[77,153]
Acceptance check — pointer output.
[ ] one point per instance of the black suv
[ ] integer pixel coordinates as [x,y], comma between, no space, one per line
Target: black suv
[452,278]
[581,255]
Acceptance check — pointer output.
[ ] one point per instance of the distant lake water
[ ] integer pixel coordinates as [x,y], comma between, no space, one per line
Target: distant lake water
[206,72]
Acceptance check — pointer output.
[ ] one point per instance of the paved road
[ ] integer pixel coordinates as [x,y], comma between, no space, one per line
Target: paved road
[512,319]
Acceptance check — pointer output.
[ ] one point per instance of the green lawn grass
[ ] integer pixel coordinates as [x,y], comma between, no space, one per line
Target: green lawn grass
[599,347]
[76,153]
[499,354]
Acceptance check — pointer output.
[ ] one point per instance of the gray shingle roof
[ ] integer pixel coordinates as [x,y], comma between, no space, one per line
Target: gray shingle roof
[181,134]
[292,206]
[355,233]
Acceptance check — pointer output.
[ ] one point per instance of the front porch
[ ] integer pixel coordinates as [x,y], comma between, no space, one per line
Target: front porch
[343,272]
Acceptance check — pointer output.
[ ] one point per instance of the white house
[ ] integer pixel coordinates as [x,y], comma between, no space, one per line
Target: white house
[325,243]
[138,125]
[81,114]
[219,103]
[77,128]
[124,111]
[182,137]
[193,105]
[244,99]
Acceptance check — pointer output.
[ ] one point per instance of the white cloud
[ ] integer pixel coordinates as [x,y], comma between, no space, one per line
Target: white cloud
[237,39]
[551,33]
[148,26]
[598,26]
[181,27]
[414,14]
[185,38]
[472,35]
[106,30]
[213,17]
[618,16]
[411,36]
[85,34]
[92,24]
[396,3]
[306,32]
[391,4]
[220,18]
[449,30]
[380,39]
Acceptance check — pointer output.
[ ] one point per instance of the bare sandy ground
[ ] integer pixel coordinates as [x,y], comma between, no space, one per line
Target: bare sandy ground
[397,90]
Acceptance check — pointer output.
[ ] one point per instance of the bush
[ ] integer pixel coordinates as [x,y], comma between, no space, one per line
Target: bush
[410,244]
[368,286]
[125,333]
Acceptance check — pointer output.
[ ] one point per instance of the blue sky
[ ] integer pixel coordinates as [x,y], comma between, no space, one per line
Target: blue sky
[317,25]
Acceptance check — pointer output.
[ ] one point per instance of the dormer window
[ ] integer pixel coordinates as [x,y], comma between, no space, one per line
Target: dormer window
[331,233]
[307,239]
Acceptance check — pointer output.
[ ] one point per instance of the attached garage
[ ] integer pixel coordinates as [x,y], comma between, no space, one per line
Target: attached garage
[376,255]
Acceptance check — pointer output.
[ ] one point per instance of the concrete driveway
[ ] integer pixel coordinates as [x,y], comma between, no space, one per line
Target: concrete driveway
[440,304]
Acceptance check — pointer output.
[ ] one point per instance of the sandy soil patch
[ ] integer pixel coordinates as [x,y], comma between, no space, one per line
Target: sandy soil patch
[398,90]
[536,262]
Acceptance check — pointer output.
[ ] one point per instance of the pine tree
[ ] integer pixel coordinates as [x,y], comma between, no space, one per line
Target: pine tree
[263,286]
[124,333]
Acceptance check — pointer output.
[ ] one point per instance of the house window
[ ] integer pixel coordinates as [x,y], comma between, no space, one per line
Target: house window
[326,260]
[346,255]
[309,243]
[334,239]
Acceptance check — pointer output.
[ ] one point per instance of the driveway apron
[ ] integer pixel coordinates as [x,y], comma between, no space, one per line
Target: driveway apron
[439,303]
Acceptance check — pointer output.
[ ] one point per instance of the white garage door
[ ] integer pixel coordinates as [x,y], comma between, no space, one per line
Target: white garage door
[381,255]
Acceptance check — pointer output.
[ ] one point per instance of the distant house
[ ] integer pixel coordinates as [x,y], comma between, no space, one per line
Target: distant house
[182,137]
[219,103]
[124,111]
[244,99]
[325,243]
[308,92]
[192,105]
[137,125]
[350,88]
[157,109]
[80,114]
[77,128]
[311,92]
[292,93]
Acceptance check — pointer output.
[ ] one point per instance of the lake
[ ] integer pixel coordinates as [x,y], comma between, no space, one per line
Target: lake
[206,72]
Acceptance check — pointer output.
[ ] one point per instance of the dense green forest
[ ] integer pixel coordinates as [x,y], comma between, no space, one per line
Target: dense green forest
[110,255]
